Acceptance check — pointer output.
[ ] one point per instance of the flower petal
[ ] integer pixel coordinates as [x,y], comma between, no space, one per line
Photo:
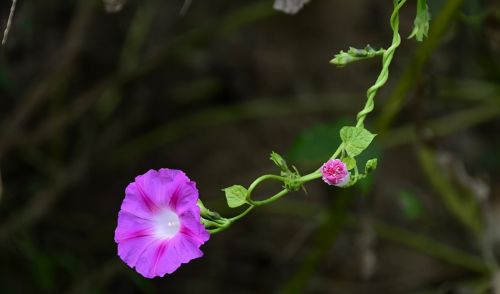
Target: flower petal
[183,197]
[192,227]
[168,262]
[137,203]
[153,187]
[159,187]
[158,259]
[131,226]
[171,174]
[132,249]
[186,249]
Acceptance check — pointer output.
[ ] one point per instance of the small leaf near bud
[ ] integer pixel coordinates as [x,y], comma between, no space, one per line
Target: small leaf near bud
[236,195]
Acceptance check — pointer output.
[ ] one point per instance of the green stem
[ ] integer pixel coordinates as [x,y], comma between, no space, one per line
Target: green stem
[209,223]
[386,62]
[312,176]
[337,152]
[229,221]
[268,200]
[262,179]
[356,171]
[233,219]
[217,230]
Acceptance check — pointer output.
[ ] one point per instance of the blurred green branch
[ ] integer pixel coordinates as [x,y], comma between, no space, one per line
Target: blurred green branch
[326,235]
[410,75]
[39,204]
[410,239]
[442,126]
[463,207]
[331,226]
[431,247]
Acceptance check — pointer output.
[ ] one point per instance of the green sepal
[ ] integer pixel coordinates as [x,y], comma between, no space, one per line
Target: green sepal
[210,219]
[280,162]
[291,182]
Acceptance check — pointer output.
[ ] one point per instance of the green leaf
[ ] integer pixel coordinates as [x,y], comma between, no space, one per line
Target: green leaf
[355,139]
[371,165]
[235,195]
[349,162]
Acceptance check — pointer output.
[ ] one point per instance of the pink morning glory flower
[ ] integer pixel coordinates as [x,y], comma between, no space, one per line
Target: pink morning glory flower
[159,225]
[335,173]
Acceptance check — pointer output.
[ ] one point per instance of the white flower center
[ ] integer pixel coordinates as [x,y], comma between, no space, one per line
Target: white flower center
[167,224]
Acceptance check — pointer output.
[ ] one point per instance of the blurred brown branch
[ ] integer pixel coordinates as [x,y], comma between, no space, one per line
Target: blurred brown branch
[9,22]
[13,136]
[185,7]
[290,6]
[57,75]
[113,6]
[97,277]
[1,186]
[43,200]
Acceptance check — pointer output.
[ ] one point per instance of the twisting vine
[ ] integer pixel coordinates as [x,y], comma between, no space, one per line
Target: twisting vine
[387,57]
[355,139]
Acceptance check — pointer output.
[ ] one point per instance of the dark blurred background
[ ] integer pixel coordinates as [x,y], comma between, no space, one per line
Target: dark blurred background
[91,99]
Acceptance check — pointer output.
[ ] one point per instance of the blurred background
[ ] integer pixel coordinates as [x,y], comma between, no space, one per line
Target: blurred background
[90,99]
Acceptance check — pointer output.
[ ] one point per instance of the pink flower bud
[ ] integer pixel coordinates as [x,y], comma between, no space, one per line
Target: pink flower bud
[335,173]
